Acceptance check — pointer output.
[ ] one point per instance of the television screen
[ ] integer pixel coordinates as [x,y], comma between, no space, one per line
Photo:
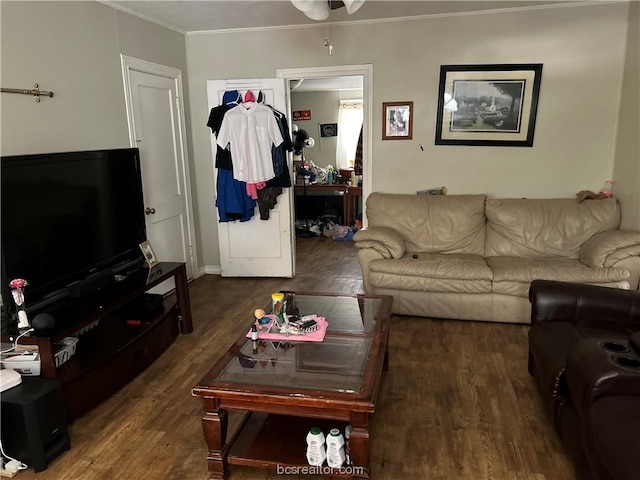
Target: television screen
[67,216]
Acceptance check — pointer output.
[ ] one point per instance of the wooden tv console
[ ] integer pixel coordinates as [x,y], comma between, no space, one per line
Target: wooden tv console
[116,345]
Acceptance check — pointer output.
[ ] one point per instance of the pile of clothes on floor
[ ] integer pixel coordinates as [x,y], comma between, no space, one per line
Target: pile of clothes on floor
[327,228]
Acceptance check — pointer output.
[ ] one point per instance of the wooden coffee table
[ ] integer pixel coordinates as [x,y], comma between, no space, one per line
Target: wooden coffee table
[286,388]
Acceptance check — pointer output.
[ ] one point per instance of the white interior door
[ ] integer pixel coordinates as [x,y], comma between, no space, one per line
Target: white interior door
[156,129]
[256,248]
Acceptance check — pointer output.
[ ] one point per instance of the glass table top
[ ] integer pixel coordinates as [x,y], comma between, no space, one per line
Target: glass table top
[343,313]
[336,364]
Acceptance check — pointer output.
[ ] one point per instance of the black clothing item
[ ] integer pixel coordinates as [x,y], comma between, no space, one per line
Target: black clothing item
[267,200]
[283,180]
[223,156]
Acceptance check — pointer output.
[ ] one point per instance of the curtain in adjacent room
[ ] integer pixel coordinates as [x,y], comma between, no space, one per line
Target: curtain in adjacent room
[357,164]
[349,125]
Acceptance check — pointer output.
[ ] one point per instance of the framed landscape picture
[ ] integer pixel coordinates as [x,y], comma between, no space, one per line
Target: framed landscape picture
[488,105]
[397,121]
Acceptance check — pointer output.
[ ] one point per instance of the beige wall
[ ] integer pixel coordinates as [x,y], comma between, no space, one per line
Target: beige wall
[324,108]
[582,49]
[73,49]
[626,172]
[70,48]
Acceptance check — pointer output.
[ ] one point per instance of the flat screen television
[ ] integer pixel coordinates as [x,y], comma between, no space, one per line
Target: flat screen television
[68,217]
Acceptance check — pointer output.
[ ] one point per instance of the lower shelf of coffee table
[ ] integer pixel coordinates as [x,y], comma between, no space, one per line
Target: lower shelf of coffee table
[277,441]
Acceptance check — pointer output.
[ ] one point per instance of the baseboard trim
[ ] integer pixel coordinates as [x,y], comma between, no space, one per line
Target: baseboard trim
[211,270]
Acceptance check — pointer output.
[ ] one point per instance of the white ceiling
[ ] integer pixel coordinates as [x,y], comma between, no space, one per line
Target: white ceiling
[210,15]
[193,16]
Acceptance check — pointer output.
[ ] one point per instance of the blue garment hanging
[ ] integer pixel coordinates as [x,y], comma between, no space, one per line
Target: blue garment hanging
[232,97]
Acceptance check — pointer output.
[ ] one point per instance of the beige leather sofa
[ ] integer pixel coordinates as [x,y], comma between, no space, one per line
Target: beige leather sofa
[471,257]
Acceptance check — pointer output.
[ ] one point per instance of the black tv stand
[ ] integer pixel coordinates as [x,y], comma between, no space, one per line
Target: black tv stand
[91,284]
[114,351]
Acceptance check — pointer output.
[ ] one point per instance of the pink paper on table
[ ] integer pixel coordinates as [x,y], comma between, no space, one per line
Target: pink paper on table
[317,336]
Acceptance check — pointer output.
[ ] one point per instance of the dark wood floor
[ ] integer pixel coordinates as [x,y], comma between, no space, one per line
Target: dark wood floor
[456,404]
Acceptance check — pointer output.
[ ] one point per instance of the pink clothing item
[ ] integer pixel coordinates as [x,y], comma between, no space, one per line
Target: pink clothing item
[317,336]
[252,189]
[249,96]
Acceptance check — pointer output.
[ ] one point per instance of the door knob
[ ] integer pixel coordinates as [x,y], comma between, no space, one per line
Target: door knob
[149,211]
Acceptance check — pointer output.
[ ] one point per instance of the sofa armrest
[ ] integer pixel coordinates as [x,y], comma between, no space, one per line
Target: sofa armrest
[605,249]
[585,305]
[384,240]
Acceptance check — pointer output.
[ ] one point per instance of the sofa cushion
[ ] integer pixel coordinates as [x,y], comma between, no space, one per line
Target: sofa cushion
[432,223]
[546,227]
[513,275]
[433,272]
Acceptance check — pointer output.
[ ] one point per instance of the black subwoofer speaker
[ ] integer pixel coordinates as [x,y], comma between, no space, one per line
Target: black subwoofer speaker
[34,425]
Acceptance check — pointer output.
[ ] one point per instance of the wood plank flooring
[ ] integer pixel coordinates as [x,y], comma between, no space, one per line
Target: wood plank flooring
[456,404]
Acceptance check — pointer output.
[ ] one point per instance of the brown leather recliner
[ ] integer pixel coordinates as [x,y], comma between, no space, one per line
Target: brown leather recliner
[584,352]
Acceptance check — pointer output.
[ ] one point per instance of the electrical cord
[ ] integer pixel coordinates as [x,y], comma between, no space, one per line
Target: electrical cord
[20,466]
[15,343]
[17,464]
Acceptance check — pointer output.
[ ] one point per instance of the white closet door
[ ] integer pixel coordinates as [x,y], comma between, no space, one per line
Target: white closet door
[256,248]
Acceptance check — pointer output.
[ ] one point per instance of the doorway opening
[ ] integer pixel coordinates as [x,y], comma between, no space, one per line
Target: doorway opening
[333,106]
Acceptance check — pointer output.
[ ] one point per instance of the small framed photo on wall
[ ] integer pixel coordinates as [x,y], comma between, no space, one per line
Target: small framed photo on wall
[397,121]
[149,255]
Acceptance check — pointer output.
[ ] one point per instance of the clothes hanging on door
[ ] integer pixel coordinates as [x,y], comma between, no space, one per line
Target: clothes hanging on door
[232,201]
[267,200]
[223,156]
[267,197]
[242,128]
[280,152]
[249,96]
[250,129]
[282,177]
[231,97]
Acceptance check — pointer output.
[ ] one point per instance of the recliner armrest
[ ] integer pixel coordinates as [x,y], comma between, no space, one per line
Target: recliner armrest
[585,305]
[602,380]
[594,371]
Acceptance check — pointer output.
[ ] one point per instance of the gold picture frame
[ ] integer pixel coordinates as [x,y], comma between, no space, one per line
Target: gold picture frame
[397,120]
[149,255]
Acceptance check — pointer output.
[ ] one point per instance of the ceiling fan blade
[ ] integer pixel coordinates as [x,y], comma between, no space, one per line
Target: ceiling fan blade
[353,5]
[318,11]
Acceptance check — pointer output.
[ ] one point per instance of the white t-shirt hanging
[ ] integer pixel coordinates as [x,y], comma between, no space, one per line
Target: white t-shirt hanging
[250,129]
